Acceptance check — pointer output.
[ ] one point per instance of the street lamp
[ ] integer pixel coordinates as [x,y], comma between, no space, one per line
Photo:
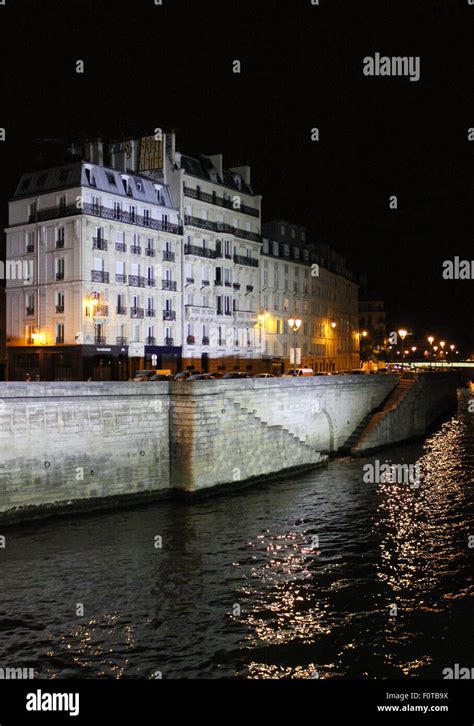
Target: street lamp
[295,325]
[431,341]
[442,344]
[403,334]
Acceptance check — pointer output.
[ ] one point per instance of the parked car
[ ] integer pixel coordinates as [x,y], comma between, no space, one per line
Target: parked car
[142,376]
[184,375]
[218,375]
[202,377]
[159,377]
[299,372]
[265,375]
[236,374]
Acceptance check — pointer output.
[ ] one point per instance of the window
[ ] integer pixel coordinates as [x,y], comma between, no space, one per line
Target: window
[283,230]
[59,303]
[59,268]
[117,210]
[132,211]
[59,333]
[293,234]
[30,304]
[60,237]
[146,217]
[30,242]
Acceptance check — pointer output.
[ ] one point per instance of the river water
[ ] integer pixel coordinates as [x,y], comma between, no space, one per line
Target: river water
[293,578]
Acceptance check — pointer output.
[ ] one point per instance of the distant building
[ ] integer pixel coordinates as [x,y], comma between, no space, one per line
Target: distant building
[372,315]
[310,282]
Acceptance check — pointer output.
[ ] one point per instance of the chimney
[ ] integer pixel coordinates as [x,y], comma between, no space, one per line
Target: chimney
[94,152]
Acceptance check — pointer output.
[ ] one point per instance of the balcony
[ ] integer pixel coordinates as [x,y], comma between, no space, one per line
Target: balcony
[59,244]
[120,310]
[169,256]
[218,283]
[122,279]
[135,250]
[98,276]
[170,286]
[137,313]
[236,285]
[29,341]
[205,283]
[59,309]
[190,280]
[249,288]
[169,342]
[150,313]
[101,311]
[221,227]
[150,341]
[150,252]
[30,311]
[98,243]
[30,249]
[97,210]
[169,315]
[205,340]
[59,276]
[136,281]
[121,341]
[100,340]
[220,201]
[60,340]
[246,261]
[191,340]
[150,282]
[199,252]
[228,284]
[120,247]
[228,313]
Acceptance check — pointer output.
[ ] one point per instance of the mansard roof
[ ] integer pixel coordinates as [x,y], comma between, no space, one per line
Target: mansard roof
[102,179]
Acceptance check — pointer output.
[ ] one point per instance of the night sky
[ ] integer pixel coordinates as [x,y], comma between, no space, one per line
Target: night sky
[171,67]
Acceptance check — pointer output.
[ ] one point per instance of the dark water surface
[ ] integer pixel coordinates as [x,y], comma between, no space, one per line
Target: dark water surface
[303,609]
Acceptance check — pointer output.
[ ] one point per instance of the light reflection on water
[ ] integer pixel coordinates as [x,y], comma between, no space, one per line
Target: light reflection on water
[305,611]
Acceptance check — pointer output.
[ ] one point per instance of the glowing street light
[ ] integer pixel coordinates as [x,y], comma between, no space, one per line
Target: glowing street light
[403,334]
[295,325]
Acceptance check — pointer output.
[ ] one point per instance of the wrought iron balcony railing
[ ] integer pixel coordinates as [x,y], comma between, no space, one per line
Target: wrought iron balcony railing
[169,315]
[97,210]
[99,276]
[170,285]
[98,243]
[136,281]
[137,313]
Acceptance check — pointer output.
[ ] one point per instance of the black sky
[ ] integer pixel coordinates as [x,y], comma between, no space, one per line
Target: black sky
[171,66]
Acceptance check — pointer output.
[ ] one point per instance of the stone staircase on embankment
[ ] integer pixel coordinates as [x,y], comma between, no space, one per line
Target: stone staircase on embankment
[277,441]
[357,442]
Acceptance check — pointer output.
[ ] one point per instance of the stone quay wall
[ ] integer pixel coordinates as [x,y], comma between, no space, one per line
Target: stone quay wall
[79,446]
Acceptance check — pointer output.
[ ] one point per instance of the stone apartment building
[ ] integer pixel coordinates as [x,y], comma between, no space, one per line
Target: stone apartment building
[141,256]
[103,250]
[309,282]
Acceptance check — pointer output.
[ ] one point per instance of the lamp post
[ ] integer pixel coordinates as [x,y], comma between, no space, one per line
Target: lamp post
[442,344]
[295,325]
[431,341]
[403,334]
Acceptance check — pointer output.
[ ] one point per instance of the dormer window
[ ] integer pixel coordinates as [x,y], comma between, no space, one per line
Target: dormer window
[126,185]
[139,185]
[90,176]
